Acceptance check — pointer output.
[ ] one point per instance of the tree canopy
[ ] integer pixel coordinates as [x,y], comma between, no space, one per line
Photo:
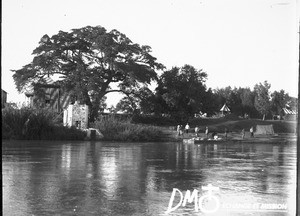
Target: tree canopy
[140,101]
[182,89]
[88,61]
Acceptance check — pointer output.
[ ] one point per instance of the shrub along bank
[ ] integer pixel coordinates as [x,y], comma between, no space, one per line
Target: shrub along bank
[35,124]
[115,128]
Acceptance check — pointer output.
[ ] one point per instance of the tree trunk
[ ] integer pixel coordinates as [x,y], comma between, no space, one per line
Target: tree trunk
[94,108]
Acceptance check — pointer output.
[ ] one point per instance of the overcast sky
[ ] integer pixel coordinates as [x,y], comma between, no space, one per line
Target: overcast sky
[239,43]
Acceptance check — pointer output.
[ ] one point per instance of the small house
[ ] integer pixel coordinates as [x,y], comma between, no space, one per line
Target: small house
[225,110]
[76,115]
[289,114]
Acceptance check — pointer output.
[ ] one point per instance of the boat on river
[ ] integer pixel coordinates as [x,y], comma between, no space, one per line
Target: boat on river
[203,141]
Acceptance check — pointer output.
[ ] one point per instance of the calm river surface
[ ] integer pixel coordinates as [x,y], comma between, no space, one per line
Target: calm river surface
[103,178]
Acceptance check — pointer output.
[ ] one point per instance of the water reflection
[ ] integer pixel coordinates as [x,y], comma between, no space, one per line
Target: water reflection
[98,178]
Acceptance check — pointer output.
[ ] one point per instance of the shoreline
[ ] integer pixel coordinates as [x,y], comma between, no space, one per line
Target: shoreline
[232,137]
[236,138]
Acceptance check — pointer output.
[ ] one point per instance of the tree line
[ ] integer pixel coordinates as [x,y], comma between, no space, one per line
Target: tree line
[182,93]
[92,62]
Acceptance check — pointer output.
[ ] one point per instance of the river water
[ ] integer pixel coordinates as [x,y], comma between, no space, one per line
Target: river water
[104,178]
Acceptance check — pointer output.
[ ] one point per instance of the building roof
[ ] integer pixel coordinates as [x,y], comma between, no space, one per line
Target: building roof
[289,111]
[48,82]
[225,108]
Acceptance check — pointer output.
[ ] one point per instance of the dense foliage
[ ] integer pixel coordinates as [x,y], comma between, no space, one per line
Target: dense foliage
[181,96]
[181,93]
[182,89]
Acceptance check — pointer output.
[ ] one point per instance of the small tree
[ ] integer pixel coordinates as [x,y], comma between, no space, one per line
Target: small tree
[262,98]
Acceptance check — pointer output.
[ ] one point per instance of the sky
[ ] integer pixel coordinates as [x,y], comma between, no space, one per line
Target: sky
[238,43]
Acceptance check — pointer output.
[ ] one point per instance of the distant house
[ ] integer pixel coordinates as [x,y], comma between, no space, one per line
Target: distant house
[225,110]
[48,95]
[289,114]
[3,98]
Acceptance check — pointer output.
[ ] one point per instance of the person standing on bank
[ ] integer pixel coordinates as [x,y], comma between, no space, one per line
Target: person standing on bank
[187,127]
[206,132]
[225,134]
[197,131]
[251,132]
[178,130]
[243,133]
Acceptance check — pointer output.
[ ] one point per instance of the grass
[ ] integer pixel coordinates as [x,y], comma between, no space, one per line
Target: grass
[238,125]
[235,126]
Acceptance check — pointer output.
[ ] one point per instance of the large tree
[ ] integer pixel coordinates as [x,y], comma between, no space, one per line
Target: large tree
[223,95]
[279,100]
[141,101]
[247,99]
[89,60]
[183,90]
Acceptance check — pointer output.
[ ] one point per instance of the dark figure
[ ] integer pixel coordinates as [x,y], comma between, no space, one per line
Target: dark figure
[181,130]
[25,127]
[225,134]
[213,135]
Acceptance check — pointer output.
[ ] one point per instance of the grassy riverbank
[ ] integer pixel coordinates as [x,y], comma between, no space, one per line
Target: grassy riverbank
[219,125]
[39,124]
[235,126]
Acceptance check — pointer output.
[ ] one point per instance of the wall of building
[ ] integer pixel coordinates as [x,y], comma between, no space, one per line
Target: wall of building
[76,115]
[49,96]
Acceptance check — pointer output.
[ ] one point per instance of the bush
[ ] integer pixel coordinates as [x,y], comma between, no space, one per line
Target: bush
[35,124]
[117,129]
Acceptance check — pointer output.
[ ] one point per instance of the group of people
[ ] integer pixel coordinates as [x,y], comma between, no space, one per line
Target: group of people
[180,129]
[187,129]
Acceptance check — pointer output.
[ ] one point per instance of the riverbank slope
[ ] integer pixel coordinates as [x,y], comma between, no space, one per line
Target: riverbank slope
[282,129]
